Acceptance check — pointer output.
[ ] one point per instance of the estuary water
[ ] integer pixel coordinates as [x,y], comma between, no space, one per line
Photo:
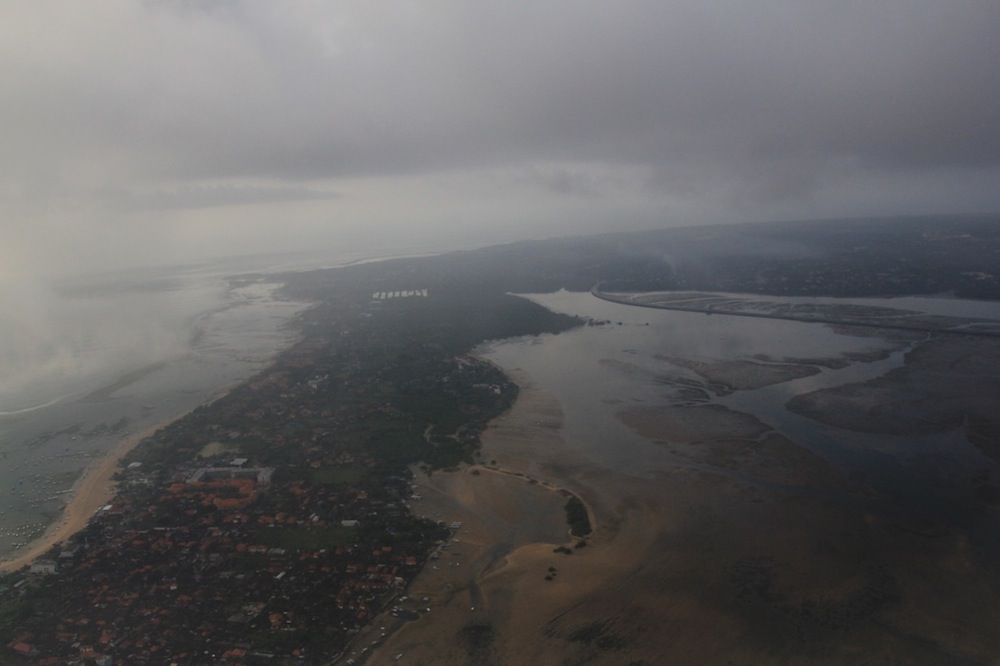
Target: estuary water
[597,372]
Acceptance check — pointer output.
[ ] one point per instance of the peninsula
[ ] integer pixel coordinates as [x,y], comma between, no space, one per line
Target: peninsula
[382,493]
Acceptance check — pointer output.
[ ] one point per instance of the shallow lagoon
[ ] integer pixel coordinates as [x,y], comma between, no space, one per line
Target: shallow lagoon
[596,371]
[642,360]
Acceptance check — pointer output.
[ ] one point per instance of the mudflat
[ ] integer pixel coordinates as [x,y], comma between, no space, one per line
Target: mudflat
[750,549]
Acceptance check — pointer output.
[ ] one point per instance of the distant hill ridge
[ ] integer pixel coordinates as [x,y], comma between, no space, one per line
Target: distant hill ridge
[898,256]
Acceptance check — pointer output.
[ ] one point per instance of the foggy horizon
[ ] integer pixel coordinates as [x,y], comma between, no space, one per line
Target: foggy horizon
[153,133]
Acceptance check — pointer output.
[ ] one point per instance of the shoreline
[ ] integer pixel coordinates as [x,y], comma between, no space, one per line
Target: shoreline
[511,519]
[94,489]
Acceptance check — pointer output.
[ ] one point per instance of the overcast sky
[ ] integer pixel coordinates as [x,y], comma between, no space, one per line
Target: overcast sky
[151,131]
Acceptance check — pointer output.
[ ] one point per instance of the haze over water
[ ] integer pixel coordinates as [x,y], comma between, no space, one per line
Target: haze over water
[89,361]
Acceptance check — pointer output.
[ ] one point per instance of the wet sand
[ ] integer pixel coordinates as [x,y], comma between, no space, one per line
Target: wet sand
[749,549]
[504,518]
[946,383]
[507,600]
[728,376]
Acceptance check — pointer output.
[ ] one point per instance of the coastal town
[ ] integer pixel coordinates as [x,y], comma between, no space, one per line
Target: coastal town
[376,496]
[273,524]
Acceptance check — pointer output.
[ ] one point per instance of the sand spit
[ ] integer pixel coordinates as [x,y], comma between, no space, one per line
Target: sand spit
[742,375]
[837,314]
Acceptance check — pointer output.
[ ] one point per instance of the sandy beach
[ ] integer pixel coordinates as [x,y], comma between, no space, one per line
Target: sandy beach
[92,491]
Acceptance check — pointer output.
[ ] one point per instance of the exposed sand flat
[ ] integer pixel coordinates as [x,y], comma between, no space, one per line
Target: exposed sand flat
[502,516]
[702,423]
[728,440]
[688,565]
[946,383]
[499,515]
[520,617]
[742,375]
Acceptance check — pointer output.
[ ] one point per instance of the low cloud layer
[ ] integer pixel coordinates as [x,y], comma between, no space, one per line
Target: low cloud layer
[172,124]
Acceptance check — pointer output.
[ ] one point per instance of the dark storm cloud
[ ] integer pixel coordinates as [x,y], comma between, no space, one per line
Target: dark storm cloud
[733,109]
[293,91]
[787,86]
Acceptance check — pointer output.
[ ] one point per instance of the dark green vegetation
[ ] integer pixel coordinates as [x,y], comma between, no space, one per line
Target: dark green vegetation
[754,580]
[577,517]
[600,634]
[477,642]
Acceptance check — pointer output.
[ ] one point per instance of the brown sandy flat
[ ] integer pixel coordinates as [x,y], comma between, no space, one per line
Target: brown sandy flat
[946,383]
[686,566]
[742,375]
[701,423]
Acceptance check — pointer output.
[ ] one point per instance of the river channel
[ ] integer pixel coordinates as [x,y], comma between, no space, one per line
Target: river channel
[637,357]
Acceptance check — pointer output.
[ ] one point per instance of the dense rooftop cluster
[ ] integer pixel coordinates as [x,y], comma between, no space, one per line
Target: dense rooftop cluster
[284,566]
[179,578]
[273,524]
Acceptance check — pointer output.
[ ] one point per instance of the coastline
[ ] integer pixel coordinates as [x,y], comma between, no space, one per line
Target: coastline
[93,489]
[730,542]
[95,486]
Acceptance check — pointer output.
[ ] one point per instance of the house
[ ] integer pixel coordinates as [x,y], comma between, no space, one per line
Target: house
[43,567]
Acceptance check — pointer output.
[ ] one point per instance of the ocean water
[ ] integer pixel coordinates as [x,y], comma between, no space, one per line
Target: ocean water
[88,361]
